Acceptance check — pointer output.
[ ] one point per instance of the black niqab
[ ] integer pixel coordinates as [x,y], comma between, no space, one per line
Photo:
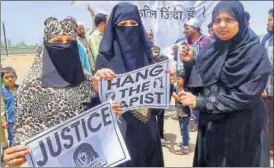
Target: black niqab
[66,61]
[124,48]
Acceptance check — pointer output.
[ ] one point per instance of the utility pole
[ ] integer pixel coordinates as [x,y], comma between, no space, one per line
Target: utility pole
[5,39]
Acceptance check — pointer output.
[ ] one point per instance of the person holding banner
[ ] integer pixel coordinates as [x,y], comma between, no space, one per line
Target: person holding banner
[55,89]
[234,70]
[125,47]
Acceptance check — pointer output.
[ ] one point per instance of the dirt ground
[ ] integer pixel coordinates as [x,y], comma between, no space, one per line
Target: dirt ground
[172,156]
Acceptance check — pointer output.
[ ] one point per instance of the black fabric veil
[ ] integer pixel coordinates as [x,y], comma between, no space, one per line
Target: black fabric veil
[124,48]
[233,61]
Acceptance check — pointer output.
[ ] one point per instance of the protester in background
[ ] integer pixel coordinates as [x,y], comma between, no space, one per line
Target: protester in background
[267,42]
[9,90]
[193,37]
[193,34]
[125,47]
[183,112]
[150,35]
[95,38]
[233,72]
[155,52]
[210,30]
[81,35]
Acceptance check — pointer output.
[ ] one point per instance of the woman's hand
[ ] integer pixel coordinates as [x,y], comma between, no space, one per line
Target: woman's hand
[188,99]
[117,109]
[4,125]
[176,97]
[15,156]
[187,53]
[102,74]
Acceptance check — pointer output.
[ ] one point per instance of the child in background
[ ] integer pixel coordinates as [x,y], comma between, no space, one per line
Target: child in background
[9,77]
[4,124]
[183,113]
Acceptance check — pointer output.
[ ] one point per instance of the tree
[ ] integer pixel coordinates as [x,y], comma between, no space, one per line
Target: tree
[21,44]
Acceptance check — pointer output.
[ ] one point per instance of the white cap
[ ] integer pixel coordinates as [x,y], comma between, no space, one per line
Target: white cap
[194,23]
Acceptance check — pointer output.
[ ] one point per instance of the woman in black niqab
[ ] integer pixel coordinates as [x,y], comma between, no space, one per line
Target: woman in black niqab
[125,47]
[233,72]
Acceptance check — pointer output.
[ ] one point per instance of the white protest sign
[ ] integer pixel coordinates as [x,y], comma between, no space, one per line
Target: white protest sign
[147,87]
[165,18]
[90,139]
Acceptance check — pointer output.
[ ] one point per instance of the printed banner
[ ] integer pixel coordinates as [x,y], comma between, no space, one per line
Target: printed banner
[90,139]
[165,18]
[148,87]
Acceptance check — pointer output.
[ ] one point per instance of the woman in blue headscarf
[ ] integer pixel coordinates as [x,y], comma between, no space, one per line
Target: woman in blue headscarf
[234,70]
[125,47]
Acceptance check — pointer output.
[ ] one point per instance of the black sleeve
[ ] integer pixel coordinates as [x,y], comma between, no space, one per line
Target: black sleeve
[187,68]
[238,99]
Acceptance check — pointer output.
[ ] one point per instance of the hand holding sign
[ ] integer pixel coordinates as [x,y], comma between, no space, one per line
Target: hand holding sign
[15,156]
[117,109]
[188,99]
[102,74]
[187,53]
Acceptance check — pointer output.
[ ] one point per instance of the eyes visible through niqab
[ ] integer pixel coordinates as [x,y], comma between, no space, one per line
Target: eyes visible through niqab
[128,23]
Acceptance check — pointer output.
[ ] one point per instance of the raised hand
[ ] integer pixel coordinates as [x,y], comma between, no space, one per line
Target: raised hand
[187,53]
[102,74]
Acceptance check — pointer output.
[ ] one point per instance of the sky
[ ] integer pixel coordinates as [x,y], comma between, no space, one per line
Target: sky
[24,19]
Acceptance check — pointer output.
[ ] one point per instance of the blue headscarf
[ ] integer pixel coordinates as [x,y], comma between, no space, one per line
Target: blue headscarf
[232,61]
[124,48]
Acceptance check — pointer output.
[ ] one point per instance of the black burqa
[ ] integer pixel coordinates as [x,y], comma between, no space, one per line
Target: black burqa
[233,119]
[124,49]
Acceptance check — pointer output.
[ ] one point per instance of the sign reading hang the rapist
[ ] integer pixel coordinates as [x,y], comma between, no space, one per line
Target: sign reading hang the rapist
[147,87]
[165,18]
[90,139]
